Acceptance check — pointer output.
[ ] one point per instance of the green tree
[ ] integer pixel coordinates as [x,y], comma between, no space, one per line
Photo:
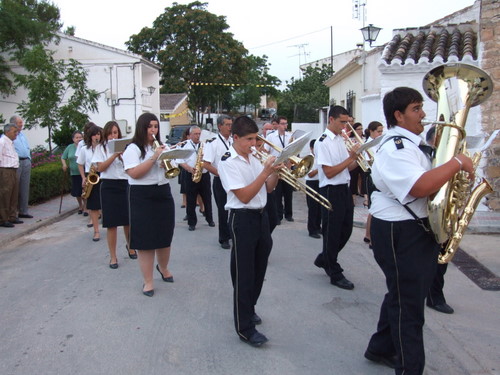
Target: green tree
[192,45]
[258,82]
[57,92]
[302,98]
[23,23]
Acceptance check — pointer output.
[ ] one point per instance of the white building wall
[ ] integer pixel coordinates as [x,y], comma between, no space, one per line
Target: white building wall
[122,79]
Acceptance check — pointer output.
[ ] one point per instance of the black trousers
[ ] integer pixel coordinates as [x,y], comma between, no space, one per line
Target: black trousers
[313,210]
[336,227]
[272,213]
[192,191]
[407,255]
[220,196]
[284,193]
[252,245]
[436,295]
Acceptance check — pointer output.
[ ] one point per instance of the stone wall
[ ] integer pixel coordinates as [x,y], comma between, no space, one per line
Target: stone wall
[490,62]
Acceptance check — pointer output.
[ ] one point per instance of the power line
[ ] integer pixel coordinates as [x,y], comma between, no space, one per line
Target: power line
[286,40]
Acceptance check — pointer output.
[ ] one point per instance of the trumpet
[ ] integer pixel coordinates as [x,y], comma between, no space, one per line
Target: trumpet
[302,166]
[171,171]
[362,161]
[291,179]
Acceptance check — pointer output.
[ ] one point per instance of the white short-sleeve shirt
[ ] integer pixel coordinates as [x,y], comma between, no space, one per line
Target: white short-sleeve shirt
[85,156]
[330,150]
[215,149]
[278,140]
[394,172]
[236,172]
[132,158]
[115,171]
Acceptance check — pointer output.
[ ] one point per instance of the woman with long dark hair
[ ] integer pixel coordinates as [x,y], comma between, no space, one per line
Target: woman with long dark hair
[92,140]
[152,212]
[114,185]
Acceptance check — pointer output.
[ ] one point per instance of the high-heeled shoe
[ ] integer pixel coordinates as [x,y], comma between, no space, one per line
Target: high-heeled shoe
[366,239]
[97,237]
[148,293]
[169,279]
[131,255]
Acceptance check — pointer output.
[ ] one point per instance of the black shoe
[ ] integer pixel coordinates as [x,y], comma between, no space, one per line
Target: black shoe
[318,262]
[366,239]
[211,224]
[183,206]
[314,235]
[7,224]
[342,283]
[16,221]
[131,255]
[185,218]
[289,218]
[169,279]
[113,266]
[256,319]
[225,245]
[191,228]
[85,214]
[256,339]
[80,212]
[389,361]
[149,293]
[25,216]
[443,308]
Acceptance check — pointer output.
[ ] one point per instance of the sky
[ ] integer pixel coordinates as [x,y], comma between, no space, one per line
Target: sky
[288,34]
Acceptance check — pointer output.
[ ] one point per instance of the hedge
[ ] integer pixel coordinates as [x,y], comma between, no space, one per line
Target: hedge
[47,181]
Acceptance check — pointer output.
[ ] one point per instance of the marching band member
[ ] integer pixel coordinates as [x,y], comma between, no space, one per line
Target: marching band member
[92,140]
[334,163]
[246,180]
[152,212]
[313,206]
[211,158]
[284,192]
[114,187]
[403,243]
[195,188]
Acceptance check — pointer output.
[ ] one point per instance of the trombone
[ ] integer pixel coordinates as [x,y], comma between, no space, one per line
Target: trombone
[363,162]
[291,179]
[302,166]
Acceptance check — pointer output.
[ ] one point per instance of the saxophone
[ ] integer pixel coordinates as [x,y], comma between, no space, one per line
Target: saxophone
[92,179]
[456,88]
[198,166]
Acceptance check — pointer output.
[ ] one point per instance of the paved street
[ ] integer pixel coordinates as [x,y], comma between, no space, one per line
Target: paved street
[65,312]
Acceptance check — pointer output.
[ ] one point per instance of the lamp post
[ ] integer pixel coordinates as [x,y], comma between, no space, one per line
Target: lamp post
[370,33]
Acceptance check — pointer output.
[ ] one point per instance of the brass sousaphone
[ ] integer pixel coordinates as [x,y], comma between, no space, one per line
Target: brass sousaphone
[456,88]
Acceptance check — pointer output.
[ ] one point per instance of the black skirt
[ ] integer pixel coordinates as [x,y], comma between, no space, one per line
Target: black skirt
[94,200]
[152,216]
[114,203]
[76,185]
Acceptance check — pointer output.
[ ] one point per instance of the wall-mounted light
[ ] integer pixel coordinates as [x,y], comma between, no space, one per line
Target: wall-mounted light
[151,90]
[70,49]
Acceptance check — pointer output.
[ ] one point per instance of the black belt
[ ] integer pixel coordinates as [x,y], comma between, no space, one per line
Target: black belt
[337,186]
[23,158]
[8,168]
[249,210]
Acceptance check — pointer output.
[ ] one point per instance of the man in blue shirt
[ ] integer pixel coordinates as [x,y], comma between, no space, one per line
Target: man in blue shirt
[24,170]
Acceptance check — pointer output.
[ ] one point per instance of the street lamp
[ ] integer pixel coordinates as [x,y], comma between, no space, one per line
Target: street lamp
[370,33]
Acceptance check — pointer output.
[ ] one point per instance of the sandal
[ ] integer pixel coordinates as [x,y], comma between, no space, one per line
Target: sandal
[97,237]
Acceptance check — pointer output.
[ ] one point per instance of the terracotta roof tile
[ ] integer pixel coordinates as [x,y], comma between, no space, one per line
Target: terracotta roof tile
[428,43]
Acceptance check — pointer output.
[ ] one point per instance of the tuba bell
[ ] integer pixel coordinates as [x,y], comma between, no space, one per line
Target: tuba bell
[456,88]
